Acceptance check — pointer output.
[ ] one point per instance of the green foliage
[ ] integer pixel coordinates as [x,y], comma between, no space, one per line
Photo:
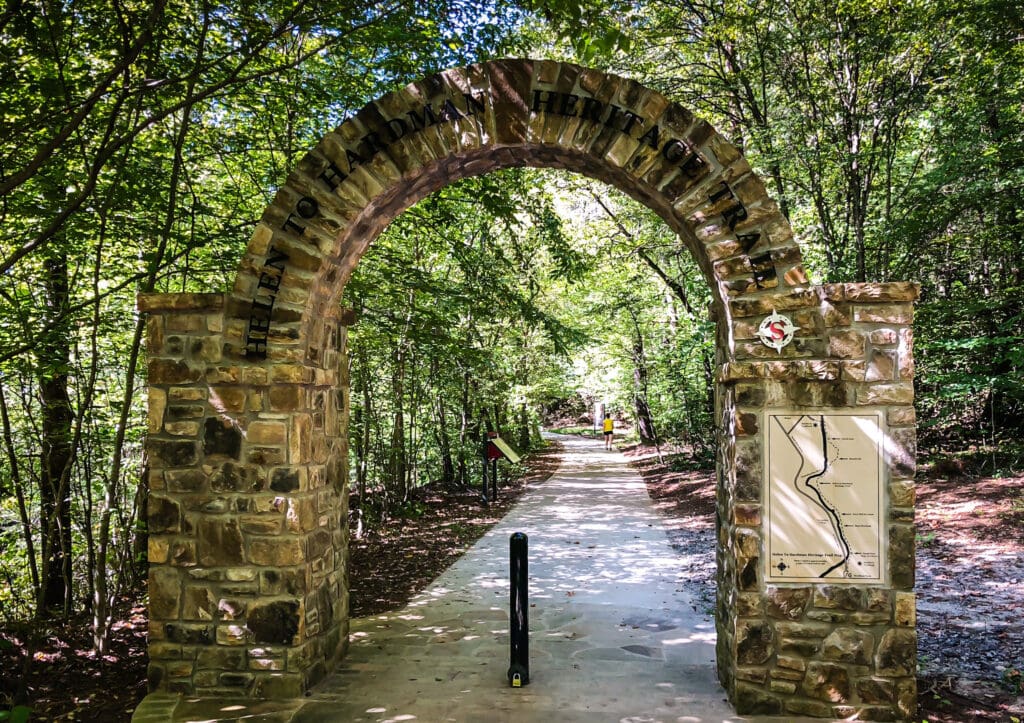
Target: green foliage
[17,714]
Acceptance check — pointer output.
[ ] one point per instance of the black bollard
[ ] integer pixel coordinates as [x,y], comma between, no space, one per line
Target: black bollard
[519,604]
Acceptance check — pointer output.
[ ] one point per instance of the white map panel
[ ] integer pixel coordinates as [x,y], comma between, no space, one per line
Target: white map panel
[824,492]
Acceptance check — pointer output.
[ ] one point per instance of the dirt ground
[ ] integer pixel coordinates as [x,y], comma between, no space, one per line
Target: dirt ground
[970,592]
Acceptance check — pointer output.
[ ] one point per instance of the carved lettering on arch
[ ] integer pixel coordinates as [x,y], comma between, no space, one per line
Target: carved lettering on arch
[257,333]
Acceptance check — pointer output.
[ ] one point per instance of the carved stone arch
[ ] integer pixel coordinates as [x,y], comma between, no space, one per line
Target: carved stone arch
[249,397]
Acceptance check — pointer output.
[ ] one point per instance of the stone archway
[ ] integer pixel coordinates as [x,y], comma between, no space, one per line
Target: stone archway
[249,399]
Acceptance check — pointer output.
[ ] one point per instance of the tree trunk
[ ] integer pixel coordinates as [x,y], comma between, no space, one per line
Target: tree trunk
[53,358]
[443,440]
[397,458]
[644,422]
[524,429]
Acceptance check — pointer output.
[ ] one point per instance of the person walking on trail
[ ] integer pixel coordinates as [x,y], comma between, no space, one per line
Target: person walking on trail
[609,430]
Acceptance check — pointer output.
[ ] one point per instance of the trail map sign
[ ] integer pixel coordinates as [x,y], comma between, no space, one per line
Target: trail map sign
[825,487]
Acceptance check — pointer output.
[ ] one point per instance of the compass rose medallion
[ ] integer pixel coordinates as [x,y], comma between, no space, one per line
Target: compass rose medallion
[776,331]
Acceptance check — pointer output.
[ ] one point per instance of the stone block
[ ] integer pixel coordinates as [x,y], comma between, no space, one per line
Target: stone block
[164,515]
[747,424]
[902,451]
[167,454]
[883,337]
[279,686]
[206,349]
[189,633]
[183,553]
[231,609]
[274,623]
[228,398]
[221,437]
[890,314]
[179,302]
[285,479]
[185,411]
[198,604]
[804,647]
[219,542]
[846,345]
[157,400]
[233,634]
[906,697]
[746,515]
[786,687]
[164,593]
[276,551]
[283,582]
[826,681]
[803,630]
[755,642]
[750,395]
[751,700]
[752,675]
[185,480]
[879,394]
[881,366]
[747,542]
[906,354]
[261,524]
[892,291]
[902,493]
[848,645]
[235,680]
[897,653]
[901,416]
[269,433]
[266,456]
[840,597]
[813,708]
[749,605]
[232,477]
[876,691]
[158,550]
[182,429]
[878,599]
[905,614]
[901,556]
[786,603]
[290,374]
[789,663]
[166,372]
[748,573]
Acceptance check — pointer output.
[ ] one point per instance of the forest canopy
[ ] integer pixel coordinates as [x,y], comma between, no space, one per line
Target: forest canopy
[141,141]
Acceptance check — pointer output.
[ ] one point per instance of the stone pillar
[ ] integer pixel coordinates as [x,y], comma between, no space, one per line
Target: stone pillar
[834,649]
[247,508]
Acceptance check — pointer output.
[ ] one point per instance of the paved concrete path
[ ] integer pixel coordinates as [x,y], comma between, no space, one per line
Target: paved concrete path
[613,637]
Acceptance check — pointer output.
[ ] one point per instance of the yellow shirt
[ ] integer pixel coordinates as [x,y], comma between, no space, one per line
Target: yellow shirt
[609,425]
